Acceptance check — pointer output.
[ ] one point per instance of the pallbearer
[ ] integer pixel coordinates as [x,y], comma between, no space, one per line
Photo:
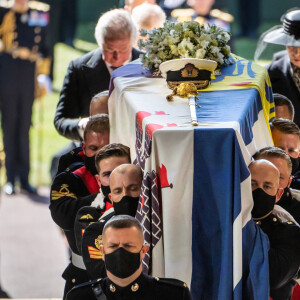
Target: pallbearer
[123,250]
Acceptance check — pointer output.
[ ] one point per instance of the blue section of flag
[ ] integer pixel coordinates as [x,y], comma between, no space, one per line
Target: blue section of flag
[229,70]
[255,263]
[242,106]
[214,211]
[272,110]
[269,93]
[130,70]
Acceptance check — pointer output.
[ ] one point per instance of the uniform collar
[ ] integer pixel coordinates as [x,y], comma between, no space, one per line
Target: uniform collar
[268,222]
[134,288]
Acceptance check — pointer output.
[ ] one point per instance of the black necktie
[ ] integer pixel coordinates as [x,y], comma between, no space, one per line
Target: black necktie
[113,68]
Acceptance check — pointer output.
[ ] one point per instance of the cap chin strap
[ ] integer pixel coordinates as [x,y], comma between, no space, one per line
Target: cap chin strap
[261,218]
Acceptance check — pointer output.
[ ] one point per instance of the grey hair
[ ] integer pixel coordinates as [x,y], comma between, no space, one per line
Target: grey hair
[115,24]
[148,16]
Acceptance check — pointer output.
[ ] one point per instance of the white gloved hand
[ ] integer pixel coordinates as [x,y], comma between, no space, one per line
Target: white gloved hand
[44,82]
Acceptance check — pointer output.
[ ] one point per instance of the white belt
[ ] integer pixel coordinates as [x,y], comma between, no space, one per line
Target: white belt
[77,261]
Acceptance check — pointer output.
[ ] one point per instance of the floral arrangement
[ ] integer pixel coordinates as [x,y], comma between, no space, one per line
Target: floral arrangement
[184,40]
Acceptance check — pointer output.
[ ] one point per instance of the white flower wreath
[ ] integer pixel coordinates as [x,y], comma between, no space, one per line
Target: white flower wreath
[184,40]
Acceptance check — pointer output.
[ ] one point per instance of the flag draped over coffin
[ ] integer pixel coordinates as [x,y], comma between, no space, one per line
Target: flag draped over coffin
[196,197]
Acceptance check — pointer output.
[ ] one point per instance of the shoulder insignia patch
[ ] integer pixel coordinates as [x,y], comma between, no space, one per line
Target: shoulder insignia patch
[218,14]
[200,20]
[172,281]
[63,192]
[98,241]
[96,253]
[183,14]
[6,4]
[87,217]
[39,6]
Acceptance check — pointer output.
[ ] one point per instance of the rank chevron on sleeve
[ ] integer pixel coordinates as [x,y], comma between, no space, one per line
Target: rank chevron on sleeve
[94,253]
[63,192]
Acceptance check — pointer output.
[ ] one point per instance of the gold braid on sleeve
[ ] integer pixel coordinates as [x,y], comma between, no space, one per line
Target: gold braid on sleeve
[7,29]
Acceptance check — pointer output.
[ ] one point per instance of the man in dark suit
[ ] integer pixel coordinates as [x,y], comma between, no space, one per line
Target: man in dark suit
[90,74]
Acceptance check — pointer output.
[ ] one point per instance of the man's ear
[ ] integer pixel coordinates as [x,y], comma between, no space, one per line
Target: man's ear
[83,146]
[290,181]
[279,194]
[98,180]
[109,196]
[145,249]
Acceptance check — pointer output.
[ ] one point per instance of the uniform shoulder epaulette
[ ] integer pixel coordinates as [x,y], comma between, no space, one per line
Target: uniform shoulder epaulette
[289,223]
[86,284]
[106,217]
[6,4]
[171,281]
[183,14]
[39,6]
[218,14]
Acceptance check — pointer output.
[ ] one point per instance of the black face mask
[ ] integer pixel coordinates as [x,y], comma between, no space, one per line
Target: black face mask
[263,203]
[122,263]
[295,164]
[127,206]
[105,190]
[90,164]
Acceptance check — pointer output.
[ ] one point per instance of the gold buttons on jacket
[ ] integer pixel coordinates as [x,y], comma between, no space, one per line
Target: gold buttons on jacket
[135,287]
[112,288]
[274,219]
[73,280]
[37,29]
[37,39]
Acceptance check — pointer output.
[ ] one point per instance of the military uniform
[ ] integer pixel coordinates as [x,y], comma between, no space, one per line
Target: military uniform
[284,255]
[70,191]
[144,287]
[290,204]
[295,184]
[71,160]
[23,53]
[90,248]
